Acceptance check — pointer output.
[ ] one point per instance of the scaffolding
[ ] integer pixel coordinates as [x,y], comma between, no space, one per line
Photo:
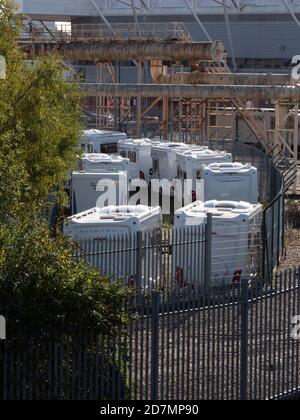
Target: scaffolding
[166,62]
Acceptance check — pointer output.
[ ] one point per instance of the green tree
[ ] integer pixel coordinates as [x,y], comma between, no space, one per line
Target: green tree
[44,291]
[40,125]
[41,285]
[40,114]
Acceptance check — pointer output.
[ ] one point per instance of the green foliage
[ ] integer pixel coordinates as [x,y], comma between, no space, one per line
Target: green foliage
[40,114]
[40,124]
[41,285]
[12,188]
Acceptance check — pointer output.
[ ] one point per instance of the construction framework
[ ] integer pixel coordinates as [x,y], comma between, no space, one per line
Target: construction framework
[183,90]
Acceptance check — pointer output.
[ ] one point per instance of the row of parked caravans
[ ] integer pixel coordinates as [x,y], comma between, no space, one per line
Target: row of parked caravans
[236,214]
[147,160]
[234,229]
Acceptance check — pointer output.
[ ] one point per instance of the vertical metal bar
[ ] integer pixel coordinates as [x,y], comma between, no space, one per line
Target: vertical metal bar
[279,332]
[288,328]
[271,331]
[261,337]
[266,355]
[208,254]
[162,358]
[273,227]
[223,366]
[293,299]
[219,336]
[228,300]
[208,346]
[280,227]
[148,332]
[275,289]
[139,241]
[142,348]
[194,305]
[213,351]
[154,345]
[139,70]
[265,239]
[284,334]
[298,341]
[117,116]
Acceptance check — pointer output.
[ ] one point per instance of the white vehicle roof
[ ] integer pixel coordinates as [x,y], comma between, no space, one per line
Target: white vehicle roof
[103,134]
[136,142]
[102,158]
[119,214]
[229,168]
[171,146]
[100,174]
[202,153]
[221,210]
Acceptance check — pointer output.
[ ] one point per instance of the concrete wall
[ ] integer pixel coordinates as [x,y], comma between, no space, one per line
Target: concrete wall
[158,7]
[255,39]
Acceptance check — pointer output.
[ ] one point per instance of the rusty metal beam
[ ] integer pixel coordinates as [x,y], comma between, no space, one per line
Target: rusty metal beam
[291,93]
[119,50]
[198,78]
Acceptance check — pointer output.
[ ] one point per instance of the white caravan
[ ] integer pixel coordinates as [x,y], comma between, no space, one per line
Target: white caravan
[189,165]
[164,159]
[99,141]
[88,188]
[138,152]
[230,181]
[112,235]
[236,239]
[100,162]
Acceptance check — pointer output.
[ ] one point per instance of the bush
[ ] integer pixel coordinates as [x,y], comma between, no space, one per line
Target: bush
[41,286]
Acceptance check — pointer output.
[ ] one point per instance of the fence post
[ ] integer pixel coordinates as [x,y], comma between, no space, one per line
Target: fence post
[265,250]
[208,254]
[154,345]
[139,241]
[282,219]
[244,341]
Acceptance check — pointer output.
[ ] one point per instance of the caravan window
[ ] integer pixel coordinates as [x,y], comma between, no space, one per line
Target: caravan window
[109,148]
[123,154]
[129,156]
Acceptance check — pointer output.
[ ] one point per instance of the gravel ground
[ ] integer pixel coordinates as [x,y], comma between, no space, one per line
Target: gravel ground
[292,252]
[199,351]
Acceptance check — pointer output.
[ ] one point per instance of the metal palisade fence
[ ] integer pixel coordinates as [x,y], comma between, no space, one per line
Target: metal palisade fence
[149,261]
[209,319]
[169,259]
[230,343]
